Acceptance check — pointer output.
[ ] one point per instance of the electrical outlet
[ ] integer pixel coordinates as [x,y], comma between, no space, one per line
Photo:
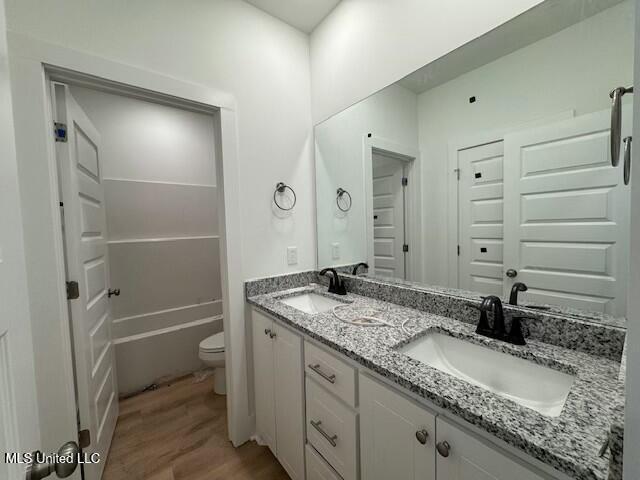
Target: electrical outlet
[292,255]
[335,251]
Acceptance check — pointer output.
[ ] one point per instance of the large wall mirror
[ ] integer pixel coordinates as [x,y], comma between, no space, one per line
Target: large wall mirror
[493,165]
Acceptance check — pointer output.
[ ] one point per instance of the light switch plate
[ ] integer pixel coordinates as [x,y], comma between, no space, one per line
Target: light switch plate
[292,255]
[335,251]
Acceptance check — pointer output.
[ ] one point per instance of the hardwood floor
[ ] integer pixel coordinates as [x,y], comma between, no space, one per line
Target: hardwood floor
[180,432]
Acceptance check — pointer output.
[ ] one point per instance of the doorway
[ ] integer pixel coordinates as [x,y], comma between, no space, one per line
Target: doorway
[389,216]
[139,210]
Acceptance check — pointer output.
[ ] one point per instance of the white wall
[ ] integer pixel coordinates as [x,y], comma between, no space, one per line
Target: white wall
[229,45]
[159,175]
[365,45]
[573,69]
[632,407]
[390,114]
[19,417]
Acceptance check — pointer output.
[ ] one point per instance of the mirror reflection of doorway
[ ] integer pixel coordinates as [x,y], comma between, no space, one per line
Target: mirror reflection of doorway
[389,215]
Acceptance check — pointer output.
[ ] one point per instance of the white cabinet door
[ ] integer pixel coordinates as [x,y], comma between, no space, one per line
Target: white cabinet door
[389,429]
[264,379]
[566,216]
[289,401]
[471,459]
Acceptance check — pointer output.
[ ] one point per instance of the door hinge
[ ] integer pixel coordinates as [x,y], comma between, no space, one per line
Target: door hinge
[457,170]
[405,248]
[84,438]
[73,290]
[458,250]
[60,131]
[405,181]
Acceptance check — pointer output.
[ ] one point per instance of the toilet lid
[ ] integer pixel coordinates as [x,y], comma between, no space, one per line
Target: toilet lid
[214,343]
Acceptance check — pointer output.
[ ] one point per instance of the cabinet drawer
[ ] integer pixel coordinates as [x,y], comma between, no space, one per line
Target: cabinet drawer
[317,468]
[332,373]
[332,430]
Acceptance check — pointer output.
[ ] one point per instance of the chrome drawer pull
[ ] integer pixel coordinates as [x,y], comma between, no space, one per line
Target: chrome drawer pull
[330,438]
[328,378]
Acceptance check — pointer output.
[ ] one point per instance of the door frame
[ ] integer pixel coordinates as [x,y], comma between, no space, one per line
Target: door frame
[34,64]
[453,212]
[413,218]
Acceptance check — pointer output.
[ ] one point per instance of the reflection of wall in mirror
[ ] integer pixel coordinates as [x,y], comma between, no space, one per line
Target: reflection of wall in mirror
[390,114]
[572,70]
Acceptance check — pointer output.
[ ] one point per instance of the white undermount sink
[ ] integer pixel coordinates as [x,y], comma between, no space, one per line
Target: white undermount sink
[311,303]
[540,388]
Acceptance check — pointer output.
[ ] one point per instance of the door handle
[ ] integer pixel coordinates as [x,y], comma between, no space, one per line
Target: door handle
[511,273]
[616,121]
[113,291]
[627,160]
[69,452]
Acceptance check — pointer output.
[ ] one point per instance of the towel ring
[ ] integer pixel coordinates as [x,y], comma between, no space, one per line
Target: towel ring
[280,189]
[340,193]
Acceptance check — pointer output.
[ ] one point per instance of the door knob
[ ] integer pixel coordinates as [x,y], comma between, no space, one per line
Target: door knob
[66,463]
[422,435]
[511,273]
[443,448]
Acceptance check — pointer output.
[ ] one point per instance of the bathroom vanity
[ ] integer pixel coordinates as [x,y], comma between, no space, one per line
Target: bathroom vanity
[337,400]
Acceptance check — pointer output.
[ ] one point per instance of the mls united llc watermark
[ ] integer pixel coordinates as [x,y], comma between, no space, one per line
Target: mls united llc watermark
[51,458]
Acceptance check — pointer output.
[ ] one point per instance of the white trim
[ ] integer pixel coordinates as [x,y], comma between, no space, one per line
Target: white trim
[162,239]
[31,60]
[159,182]
[164,331]
[472,141]
[160,312]
[413,220]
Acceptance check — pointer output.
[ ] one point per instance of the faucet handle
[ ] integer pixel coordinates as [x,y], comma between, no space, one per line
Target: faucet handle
[515,333]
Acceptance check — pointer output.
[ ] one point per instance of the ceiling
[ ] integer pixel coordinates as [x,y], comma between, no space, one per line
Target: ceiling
[305,15]
[540,22]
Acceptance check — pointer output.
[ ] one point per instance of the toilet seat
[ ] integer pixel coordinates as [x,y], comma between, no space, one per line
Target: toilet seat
[213,344]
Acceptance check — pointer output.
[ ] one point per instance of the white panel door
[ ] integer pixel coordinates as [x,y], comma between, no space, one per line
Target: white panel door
[86,257]
[480,217]
[388,216]
[389,429]
[567,215]
[471,459]
[264,379]
[289,398]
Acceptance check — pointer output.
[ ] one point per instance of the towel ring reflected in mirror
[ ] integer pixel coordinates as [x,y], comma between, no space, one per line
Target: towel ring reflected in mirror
[341,193]
[281,187]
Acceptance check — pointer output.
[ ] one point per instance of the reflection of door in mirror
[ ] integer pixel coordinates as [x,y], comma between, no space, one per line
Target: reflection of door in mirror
[566,216]
[388,216]
[480,218]
[547,195]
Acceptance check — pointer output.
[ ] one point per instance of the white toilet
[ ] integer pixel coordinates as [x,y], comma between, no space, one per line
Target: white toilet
[212,354]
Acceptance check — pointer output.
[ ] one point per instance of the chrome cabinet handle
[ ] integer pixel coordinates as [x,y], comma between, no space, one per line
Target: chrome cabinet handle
[422,436]
[327,377]
[616,121]
[443,448]
[511,273]
[627,160]
[330,438]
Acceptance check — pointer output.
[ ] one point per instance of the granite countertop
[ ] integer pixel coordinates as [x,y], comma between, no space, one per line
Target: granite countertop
[569,443]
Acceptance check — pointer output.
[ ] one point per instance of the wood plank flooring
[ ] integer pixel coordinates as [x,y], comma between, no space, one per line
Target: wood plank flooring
[179,432]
